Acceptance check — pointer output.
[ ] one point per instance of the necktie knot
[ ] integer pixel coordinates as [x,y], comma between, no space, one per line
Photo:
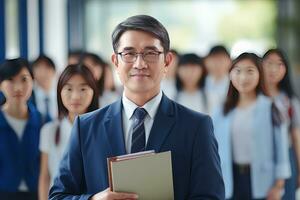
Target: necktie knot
[140,113]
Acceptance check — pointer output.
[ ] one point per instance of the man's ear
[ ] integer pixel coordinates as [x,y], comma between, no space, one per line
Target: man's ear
[114,59]
[168,59]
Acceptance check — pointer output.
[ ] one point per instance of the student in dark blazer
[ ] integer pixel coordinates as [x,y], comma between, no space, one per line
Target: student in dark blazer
[141,56]
[20,124]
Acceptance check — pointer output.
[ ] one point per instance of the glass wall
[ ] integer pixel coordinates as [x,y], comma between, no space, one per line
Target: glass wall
[192,25]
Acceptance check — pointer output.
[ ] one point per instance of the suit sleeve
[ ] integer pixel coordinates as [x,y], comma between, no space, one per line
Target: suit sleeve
[206,176]
[69,182]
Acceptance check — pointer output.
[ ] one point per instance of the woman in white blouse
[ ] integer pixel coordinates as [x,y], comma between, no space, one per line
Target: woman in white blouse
[279,88]
[77,93]
[252,139]
[190,81]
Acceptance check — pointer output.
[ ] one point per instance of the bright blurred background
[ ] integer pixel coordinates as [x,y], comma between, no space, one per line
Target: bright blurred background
[55,27]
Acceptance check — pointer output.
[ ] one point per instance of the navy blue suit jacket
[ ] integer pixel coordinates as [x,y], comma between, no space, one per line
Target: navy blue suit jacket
[99,135]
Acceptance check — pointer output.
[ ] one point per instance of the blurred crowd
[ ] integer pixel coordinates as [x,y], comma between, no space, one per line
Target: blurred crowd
[255,112]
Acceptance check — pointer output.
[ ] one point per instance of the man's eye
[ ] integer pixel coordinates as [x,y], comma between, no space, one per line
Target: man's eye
[151,53]
[129,54]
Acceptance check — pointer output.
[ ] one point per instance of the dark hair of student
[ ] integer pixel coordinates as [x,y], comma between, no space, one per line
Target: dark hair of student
[233,95]
[191,59]
[142,23]
[69,71]
[285,84]
[218,49]
[11,67]
[78,54]
[97,60]
[43,59]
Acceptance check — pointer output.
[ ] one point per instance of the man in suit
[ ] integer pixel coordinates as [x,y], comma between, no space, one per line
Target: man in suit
[143,119]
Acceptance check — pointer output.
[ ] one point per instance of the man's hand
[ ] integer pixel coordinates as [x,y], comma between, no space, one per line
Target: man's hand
[109,195]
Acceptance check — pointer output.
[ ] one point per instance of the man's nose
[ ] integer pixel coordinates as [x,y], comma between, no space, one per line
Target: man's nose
[140,62]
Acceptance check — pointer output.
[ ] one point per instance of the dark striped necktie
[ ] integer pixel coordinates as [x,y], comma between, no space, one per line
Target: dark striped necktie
[138,141]
[47,117]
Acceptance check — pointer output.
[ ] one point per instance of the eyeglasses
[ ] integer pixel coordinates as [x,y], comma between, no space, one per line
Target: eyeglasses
[148,56]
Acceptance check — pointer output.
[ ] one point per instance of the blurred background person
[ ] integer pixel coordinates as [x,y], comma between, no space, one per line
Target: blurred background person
[168,84]
[44,89]
[98,67]
[190,82]
[75,57]
[20,124]
[216,84]
[253,142]
[278,85]
[77,94]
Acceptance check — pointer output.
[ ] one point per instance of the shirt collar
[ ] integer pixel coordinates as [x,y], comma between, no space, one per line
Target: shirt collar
[151,106]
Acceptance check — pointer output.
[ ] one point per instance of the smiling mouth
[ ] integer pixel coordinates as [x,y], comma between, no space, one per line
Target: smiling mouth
[139,75]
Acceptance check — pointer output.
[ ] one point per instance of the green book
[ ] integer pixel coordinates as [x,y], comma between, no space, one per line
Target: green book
[147,174]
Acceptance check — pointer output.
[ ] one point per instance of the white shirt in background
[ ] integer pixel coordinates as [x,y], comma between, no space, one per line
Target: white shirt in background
[216,92]
[18,125]
[108,97]
[168,86]
[242,134]
[47,143]
[194,101]
[128,109]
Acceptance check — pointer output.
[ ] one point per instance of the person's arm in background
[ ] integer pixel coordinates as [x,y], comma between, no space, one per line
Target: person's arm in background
[295,133]
[282,161]
[44,178]
[206,175]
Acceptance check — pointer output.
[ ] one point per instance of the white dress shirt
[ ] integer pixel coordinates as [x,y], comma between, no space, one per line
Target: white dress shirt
[127,114]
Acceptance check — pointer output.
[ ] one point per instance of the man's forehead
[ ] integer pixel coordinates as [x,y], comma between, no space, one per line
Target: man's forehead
[139,40]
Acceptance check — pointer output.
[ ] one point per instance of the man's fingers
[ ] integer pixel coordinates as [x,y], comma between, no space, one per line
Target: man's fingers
[119,195]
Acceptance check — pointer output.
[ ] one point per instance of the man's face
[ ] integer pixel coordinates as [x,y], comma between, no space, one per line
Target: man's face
[141,77]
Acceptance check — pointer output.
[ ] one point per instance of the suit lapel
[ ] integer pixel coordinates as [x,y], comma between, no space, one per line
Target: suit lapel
[163,123]
[114,129]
